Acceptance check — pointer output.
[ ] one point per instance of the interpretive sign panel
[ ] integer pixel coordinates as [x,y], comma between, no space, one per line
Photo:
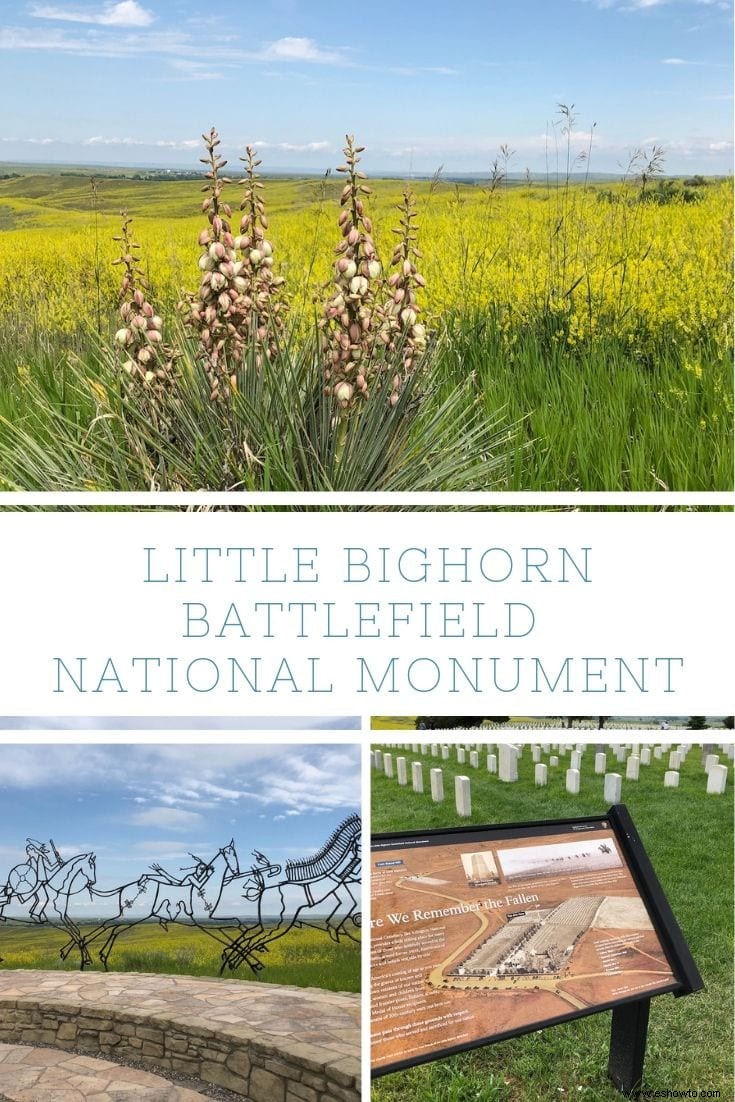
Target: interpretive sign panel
[480,933]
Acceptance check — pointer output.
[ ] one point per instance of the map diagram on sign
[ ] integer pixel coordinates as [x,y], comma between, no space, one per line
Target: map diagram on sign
[472,940]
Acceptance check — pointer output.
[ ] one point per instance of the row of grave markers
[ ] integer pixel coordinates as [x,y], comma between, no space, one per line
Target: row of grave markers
[504,763]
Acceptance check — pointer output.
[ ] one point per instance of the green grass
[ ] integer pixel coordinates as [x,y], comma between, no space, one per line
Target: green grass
[689,839]
[613,414]
[549,419]
[304,957]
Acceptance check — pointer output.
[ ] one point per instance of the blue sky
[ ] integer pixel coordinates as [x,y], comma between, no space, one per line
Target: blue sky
[137,81]
[135,804]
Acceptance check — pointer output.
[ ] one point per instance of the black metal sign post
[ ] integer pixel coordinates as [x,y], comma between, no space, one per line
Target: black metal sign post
[628,1045]
[568,909]
[630,1022]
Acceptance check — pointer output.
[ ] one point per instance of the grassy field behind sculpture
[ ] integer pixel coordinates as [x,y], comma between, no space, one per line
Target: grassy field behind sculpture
[305,957]
[689,839]
[591,328]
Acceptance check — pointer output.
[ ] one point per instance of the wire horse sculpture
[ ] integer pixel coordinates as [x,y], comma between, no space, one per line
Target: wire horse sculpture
[330,878]
[321,891]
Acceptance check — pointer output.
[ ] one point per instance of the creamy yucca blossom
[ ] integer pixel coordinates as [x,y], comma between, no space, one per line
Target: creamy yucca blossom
[215,312]
[148,362]
[263,304]
[401,330]
[349,318]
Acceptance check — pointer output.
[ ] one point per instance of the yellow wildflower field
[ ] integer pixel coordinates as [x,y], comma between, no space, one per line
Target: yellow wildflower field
[599,256]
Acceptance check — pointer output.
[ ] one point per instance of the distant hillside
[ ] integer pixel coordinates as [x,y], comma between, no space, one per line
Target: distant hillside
[15,169]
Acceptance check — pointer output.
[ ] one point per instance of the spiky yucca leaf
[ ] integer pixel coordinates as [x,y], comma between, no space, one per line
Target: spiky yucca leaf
[277,433]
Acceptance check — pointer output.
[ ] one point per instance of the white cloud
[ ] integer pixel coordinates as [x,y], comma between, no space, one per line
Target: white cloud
[150,143]
[179,786]
[31,141]
[167,818]
[97,43]
[412,71]
[181,49]
[301,49]
[674,61]
[127,13]
[290,147]
[194,70]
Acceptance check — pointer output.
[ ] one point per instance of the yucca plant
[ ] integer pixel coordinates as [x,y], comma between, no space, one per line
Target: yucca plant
[402,332]
[263,304]
[148,363]
[214,314]
[350,316]
[278,434]
[249,406]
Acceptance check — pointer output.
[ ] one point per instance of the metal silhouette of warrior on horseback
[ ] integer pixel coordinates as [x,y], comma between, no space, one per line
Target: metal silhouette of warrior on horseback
[320,891]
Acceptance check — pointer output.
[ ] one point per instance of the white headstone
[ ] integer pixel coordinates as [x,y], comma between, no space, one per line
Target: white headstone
[575,761]
[613,788]
[657,751]
[621,753]
[731,751]
[507,763]
[460,755]
[417,776]
[415,748]
[437,785]
[445,753]
[645,756]
[540,774]
[401,771]
[492,763]
[462,797]
[600,762]
[671,779]
[710,760]
[474,759]
[632,767]
[573,781]
[536,753]
[553,760]
[434,749]
[388,765]
[717,780]
[674,760]
[378,759]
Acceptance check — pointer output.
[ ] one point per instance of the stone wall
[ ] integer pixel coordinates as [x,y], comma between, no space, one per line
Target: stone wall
[232,1056]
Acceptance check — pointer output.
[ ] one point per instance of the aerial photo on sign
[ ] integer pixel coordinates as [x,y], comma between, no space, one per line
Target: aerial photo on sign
[477,937]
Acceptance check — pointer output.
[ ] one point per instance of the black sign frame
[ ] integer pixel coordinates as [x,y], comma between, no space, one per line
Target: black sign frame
[630,1013]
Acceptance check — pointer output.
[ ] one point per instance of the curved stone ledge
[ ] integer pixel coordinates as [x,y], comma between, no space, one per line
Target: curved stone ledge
[267,1042]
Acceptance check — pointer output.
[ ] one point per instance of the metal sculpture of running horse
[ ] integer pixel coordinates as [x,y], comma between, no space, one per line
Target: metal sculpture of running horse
[320,891]
[329,880]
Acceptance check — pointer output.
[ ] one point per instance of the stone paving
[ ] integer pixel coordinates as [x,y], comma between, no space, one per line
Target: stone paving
[50,1075]
[256,1039]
